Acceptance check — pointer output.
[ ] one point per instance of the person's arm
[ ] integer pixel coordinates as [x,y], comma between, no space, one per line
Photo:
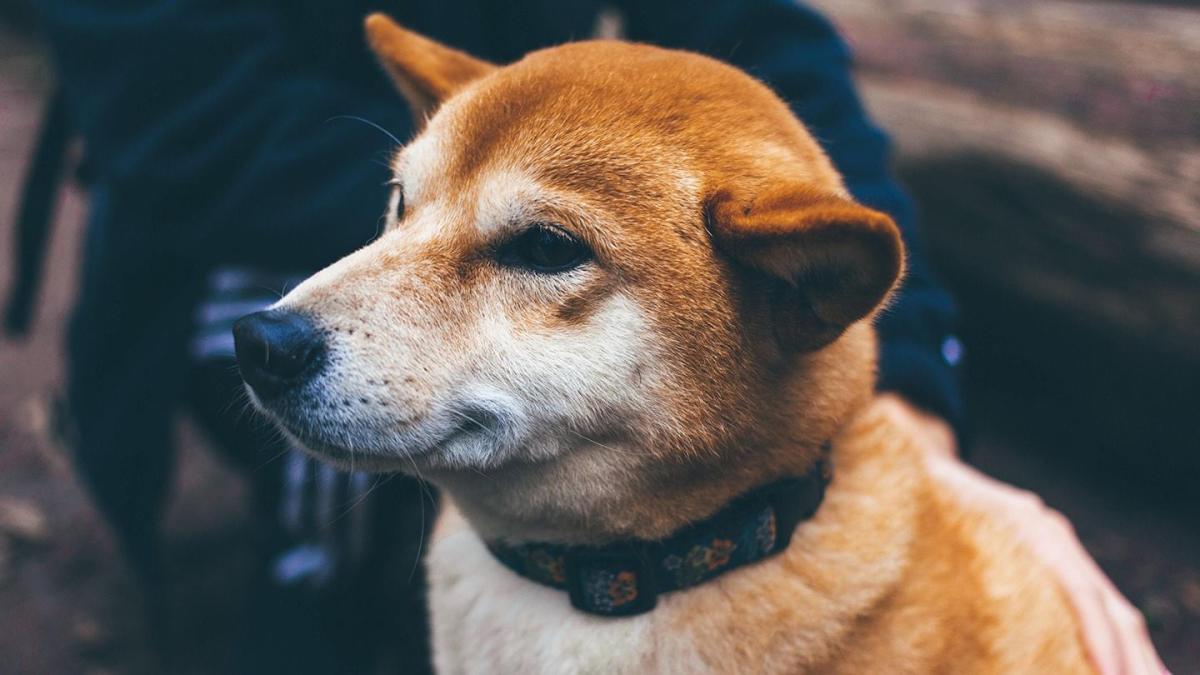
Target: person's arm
[205,124]
[800,55]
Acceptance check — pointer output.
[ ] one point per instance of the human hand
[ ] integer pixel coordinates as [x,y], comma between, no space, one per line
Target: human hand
[1113,630]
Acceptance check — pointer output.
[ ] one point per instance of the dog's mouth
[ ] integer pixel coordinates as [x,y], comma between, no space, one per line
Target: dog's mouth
[356,441]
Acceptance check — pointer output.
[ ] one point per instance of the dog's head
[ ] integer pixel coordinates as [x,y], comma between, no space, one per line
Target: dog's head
[606,255]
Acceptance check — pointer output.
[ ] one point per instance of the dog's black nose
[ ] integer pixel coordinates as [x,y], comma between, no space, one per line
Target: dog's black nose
[276,350]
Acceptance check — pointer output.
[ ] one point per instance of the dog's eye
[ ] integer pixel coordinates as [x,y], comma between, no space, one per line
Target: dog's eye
[396,203]
[545,249]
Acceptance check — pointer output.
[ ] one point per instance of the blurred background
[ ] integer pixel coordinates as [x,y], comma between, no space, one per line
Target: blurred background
[1053,147]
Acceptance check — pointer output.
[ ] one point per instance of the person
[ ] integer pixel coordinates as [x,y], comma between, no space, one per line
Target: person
[231,146]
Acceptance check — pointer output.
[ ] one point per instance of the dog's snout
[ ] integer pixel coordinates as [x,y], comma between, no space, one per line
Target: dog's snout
[276,350]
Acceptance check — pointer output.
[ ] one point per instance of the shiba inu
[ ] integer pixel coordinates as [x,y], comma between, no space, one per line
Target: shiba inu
[622,316]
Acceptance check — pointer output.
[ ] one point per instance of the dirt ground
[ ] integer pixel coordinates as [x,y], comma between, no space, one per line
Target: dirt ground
[67,605]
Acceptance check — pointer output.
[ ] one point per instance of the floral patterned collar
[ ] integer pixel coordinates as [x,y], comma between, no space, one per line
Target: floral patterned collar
[625,578]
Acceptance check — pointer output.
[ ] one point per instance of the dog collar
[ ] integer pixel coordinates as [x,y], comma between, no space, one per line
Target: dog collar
[625,578]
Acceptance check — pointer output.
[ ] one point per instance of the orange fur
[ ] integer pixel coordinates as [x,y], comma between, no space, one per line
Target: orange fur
[720,334]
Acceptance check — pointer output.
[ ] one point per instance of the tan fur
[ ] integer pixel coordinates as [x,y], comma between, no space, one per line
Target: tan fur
[719,336]
[890,576]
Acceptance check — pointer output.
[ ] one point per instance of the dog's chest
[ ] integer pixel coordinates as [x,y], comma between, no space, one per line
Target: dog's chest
[486,619]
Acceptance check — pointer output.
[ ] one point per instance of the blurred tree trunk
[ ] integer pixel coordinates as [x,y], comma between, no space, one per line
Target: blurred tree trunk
[1054,148]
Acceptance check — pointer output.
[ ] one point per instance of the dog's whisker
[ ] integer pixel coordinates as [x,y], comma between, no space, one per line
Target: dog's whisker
[423,488]
[368,123]
[619,451]
[379,482]
[269,289]
[273,458]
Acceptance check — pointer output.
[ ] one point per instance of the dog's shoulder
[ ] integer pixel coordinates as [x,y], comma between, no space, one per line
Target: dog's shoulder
[1005,597]
[973,596]
[942,585]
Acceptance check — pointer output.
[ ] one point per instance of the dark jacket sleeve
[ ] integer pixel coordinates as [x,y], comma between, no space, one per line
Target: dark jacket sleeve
[800,55]
[215,132]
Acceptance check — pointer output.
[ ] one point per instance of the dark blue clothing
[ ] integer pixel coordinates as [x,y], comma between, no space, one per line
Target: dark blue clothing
[213,130]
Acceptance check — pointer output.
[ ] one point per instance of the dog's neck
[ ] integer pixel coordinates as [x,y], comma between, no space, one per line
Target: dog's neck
[616,489]
[648,507]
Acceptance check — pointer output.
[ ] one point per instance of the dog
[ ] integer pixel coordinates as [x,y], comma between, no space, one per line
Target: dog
[621,315]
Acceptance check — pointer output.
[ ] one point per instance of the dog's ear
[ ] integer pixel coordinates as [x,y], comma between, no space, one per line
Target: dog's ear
[824,261]
[425,71]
